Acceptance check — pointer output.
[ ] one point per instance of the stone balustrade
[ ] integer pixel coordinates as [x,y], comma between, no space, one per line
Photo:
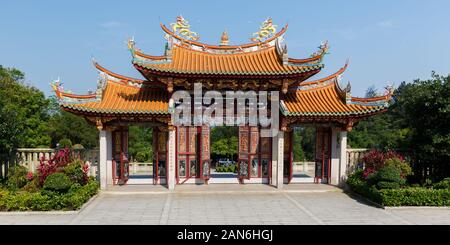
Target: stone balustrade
[30,158]
[354,157]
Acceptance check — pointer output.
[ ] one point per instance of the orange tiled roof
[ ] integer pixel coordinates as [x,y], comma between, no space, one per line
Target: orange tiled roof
[118,98]
[262,62]
[326,98]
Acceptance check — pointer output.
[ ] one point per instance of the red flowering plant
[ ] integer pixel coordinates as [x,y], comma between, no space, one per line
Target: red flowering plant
[29,176]
[377,160]
[367,172]
[86,172]
[52,165]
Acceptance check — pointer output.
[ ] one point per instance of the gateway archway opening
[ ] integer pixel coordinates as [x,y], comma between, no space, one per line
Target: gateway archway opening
[224,155]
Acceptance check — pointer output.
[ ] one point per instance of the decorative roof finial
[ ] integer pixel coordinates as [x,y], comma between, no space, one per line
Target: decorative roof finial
[266,30]
[224,40]
[182,27]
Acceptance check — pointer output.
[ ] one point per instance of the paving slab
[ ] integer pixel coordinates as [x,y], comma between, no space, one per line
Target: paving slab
[232,205]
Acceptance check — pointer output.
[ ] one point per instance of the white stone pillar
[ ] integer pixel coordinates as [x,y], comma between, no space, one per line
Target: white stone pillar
[343,159]
[109,158]
[280,174]
[338,157]
[103,159]
[335,156]
[277,160]
[171,158]
[274,167]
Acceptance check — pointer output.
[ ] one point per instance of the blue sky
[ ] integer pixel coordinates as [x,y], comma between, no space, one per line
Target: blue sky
[386,41]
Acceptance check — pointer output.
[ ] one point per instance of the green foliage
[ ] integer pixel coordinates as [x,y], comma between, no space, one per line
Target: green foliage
[444,184]
[304,143]
[426,111]
[227,169]
[74,171]
[48,200]
[63,125]
[387,185]
[417,121]
[224,141]
[144,155]
[403,166]
[140,143]
[415,197]
[357,184]
[16,178]
[65,143]
[387,177]
[32,186]
[58,182]
[22,114]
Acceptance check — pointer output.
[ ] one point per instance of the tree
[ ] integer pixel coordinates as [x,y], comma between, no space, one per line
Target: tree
[417,123]
[22,114]
[140,140]
[63,125]
[304,143]
[224,141]
[424,107]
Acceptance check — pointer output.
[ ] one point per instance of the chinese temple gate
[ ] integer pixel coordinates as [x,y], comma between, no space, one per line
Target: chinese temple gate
[181,154]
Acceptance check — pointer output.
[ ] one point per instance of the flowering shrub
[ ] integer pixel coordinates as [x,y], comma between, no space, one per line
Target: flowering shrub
[52,165]
[403,166]
[30,176]
[367,172]
[376,159]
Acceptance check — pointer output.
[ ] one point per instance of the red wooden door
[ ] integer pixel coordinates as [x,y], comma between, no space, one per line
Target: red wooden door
[159,155]
[205,153]
[323,154]
[288,168]
[120,156]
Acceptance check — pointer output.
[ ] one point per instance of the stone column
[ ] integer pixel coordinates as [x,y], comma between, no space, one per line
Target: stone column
[280,174]
[343,159]
[109,158]
[335,156]
[277,160]
[338,157]
[171,160]
[103,158]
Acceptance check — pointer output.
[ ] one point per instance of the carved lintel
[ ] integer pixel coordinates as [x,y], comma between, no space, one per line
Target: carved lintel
[179,81]
[163,129]
[99,123]
[285,87]
[165,120]
[170,85]
[348,126]
[276,82]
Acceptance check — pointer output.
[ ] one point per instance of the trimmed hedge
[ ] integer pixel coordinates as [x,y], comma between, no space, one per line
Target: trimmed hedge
[48,200]
[411,196]
[57,182]
[415,197]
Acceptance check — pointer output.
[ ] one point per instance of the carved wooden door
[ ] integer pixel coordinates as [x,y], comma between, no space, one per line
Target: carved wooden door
[323,154]
[159,155]
[248,153]
[205,153]
[288,168]
[121,167]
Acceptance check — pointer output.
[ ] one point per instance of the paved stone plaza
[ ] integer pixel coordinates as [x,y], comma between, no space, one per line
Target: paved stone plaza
[232,204]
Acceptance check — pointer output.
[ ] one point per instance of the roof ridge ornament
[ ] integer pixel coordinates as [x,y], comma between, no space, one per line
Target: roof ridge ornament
[182,28]
[57,87]
[323,49]
[266,31]
[224,39]
[131,46]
